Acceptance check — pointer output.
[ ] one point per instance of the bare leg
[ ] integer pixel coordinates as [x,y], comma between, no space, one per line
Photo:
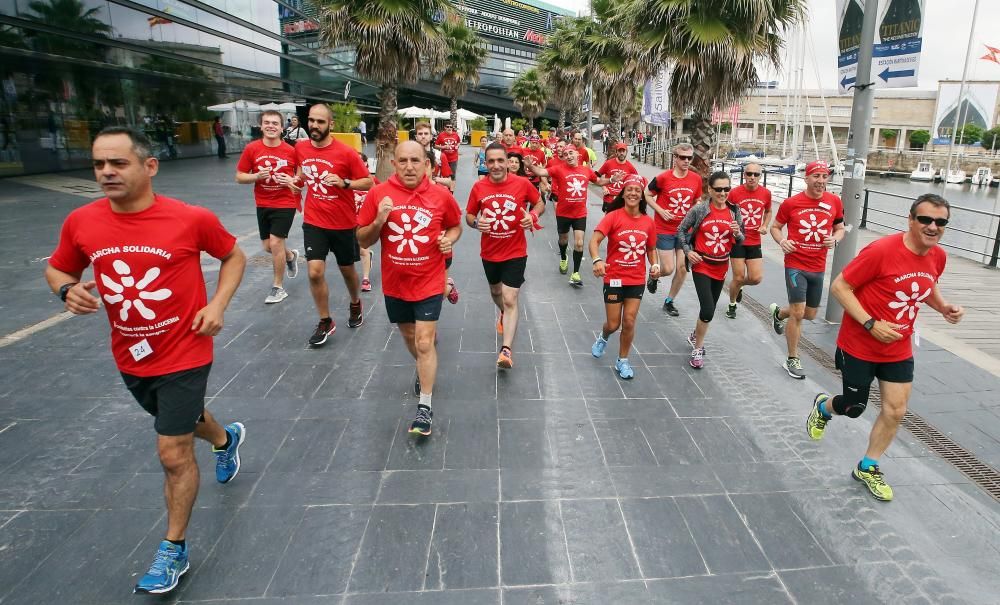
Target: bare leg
[894,398]
[739,278]
[629,311]
[351,280]
[679,274]
[408,331]
[210,430]
[276,246]
[426,355]
[318,288]
[366,263]
[509,302]
[180,485]
[613,321]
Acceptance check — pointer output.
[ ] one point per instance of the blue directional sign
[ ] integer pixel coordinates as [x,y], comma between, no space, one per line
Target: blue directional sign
[898,41]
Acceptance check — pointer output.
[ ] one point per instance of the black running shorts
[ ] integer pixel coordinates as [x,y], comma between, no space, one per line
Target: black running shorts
[804,287]
[617,295]
[274,221]
[406,312]
[175,400]
[320,242]
[747,252]
[857,372]
[508,272]
[564,224]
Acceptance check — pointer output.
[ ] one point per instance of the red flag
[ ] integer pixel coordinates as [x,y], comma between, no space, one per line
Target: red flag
[992,55]
[157,21]
[992,49]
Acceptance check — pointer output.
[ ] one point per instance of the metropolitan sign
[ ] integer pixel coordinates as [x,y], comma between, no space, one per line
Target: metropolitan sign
[898,39]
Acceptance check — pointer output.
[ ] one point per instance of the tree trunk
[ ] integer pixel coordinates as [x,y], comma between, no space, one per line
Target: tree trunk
[562,118]
[454,113]
[614,117]
[385,140]
[702,137]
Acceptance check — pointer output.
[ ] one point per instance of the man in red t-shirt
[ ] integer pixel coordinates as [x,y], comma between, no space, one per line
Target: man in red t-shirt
[534,149]
[747,259]
[815,220]
[619,167]
[582,153]
[269,165]
[443,174]
[417,223]
[509,141]
[146,252]
[332,171]
[569,181]
[671,194]
[881,291]
[502,207]
[448,142]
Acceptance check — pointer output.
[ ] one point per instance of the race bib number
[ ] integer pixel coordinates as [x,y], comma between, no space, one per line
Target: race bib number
[616,283]
[422,218]
[140,350]
[509,206]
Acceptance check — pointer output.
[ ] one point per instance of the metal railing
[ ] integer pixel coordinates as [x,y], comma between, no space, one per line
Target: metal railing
[994,256]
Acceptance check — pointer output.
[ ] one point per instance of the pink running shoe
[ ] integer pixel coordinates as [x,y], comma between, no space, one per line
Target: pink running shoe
[453,295]
[366,285]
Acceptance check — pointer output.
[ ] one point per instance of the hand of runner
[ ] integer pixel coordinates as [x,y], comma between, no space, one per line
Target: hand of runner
[263,173]
[526,222]
[444,244]
[654,271]
[484,224]
[951,313]
[606,190]
[829,242]
[885,332]
[79,301]
[665,215]
[335,180]
[600,268]
[384,208]
[788,246]
[762,230]
[694,257]
[734,226]
[208,321]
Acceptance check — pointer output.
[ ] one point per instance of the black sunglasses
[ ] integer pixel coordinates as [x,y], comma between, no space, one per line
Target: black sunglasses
[927,220]
[752,173]
[684,157]
[727,190]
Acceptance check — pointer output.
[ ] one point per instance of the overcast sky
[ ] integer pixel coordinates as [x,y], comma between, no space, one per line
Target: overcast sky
[946,33]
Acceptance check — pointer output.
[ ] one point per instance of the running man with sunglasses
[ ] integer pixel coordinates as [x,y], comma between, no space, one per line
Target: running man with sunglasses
[671,194]
[815,219]
[747,260]
[881,291]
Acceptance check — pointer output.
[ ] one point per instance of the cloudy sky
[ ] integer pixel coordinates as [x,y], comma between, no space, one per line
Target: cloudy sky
[946,32]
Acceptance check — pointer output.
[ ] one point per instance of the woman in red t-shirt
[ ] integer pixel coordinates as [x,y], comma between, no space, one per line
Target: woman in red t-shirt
[631,236]
[708,233]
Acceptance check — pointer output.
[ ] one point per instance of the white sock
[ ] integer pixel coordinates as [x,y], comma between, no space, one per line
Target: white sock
[425,399]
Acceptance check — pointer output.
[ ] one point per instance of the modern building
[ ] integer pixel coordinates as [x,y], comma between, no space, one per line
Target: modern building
[160,64]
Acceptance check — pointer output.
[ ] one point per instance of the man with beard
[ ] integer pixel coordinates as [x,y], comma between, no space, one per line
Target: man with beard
[331,171]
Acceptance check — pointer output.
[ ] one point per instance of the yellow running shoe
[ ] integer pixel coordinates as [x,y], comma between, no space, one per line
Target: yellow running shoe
[816,423]
[872,478]
[564,266]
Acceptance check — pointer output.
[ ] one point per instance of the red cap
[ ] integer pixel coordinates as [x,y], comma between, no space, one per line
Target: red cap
[534,138]
[618,146]
[634,179]
[817,166]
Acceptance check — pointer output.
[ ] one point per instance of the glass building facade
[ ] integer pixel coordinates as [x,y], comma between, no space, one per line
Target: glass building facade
[71,67]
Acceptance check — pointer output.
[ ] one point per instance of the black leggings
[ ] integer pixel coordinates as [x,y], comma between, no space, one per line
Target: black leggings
[708,290]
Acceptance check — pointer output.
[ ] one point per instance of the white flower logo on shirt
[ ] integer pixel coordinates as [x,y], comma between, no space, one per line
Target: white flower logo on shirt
[717,241]
[265,166]
[632,249]
[128,282]
[407,234]
[679,204]
[909,303]
[812,229]
[314,178]
[751,216]
[500,217]
[576,186]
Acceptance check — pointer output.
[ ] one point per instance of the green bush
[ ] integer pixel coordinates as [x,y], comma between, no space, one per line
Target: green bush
[477,124]
[545,125]
[991,139]
[519,124]
[345,116]
[970,134]
[919,138]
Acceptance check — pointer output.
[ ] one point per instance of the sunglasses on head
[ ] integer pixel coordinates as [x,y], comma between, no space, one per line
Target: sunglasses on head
[722,189]
[927,220]
[752,173]
[686,158]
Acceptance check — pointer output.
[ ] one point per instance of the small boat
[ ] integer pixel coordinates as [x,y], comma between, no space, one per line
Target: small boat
[956,177]
[983,176]
[923,172]
[995,181]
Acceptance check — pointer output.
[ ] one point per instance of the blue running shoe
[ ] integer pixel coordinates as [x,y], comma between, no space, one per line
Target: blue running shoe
[599,345]
[170,563]
[227,461]
[624,369]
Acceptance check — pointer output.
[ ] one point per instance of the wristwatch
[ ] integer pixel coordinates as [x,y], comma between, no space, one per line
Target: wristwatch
[347,183]
[64,289]
[869,324]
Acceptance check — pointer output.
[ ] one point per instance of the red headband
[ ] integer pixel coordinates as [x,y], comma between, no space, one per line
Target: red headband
[634,179]
[817,166]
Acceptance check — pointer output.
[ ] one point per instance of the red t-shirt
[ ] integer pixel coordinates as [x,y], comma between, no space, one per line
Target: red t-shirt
[714,241]
[628,240]
[515,148]
[809,221]
[148,271]
[449,142]
[268,193]
[503,203]
[329,207]
[521,140]
[360,196]
[550,142]
[570,185]
[582,156]
[612,167]
[753,206]
[890,282]
[676,196]
[412,263]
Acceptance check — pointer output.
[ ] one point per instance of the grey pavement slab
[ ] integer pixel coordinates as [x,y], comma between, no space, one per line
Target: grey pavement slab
[552,483]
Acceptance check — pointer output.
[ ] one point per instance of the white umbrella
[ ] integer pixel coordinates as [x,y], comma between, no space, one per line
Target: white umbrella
[286,107]
[496,123]
[465,114]
[416,112]
[506,123]
[239,104]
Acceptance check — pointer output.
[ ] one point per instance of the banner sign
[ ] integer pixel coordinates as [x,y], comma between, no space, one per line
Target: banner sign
[898,41]
[656,99]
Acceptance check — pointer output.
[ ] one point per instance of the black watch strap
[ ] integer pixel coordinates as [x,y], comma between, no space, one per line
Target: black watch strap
[64,289]
[869,324]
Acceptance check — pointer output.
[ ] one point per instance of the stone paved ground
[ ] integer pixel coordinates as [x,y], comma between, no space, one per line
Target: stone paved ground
[553,483]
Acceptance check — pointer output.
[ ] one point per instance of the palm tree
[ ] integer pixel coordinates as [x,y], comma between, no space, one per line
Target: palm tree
[713,46]
[392,40]
[69,15]
[562,67]
[529,95]
[466,55]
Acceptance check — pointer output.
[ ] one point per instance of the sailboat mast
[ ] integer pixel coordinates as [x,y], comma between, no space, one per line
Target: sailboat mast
[961,92]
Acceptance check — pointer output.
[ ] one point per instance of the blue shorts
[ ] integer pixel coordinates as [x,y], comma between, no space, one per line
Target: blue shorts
[668,242]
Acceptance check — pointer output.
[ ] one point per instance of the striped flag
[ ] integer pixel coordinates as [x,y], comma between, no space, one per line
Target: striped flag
[992,54]
[157,21]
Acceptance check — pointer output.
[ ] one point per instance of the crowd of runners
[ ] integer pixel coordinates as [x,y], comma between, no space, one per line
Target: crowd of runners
[145,250]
